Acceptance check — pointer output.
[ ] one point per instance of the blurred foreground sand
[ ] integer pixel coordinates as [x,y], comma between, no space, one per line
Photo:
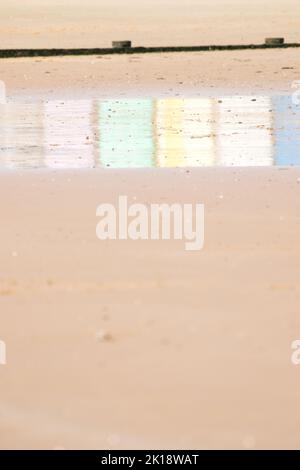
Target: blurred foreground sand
[196,346]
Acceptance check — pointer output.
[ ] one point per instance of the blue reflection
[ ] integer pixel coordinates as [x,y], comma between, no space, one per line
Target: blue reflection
[286,131]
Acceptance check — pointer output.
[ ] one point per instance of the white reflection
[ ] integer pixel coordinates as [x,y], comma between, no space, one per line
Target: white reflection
[21,135]
[244,136]
[169,128]
[2,92]
[68,134]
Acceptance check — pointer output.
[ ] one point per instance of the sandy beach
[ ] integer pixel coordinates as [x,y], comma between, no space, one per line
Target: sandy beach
[198,352]
[65,23]
[160,75]
[124,344]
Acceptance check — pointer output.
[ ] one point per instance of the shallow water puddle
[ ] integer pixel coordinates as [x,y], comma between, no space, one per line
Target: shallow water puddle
[229,131]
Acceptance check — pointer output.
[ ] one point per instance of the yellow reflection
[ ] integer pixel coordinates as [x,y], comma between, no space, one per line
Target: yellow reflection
[169,125]
[125,128]
[185,132]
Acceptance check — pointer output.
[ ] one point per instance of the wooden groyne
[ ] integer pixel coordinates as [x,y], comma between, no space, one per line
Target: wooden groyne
[8,53]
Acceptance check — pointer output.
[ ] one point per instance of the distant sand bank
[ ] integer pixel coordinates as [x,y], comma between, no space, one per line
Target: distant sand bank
[67,23]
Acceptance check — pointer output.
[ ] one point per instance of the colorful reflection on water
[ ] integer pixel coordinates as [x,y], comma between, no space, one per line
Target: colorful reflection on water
[141,133]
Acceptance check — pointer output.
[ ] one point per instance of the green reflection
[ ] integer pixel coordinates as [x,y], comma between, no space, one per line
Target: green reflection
[125,129]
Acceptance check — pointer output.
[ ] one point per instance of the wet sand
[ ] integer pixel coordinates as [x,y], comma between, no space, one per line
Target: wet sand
[141,344]
[154,75]
[128,344]
[163,23]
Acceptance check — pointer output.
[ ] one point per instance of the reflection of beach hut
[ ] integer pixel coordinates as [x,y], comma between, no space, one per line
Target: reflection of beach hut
[69,134]
[21,136]
[2,353]
[184,132]
[2,92]
[125,128]
[287,131]
[169,126]
[244,131]
[198,132]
